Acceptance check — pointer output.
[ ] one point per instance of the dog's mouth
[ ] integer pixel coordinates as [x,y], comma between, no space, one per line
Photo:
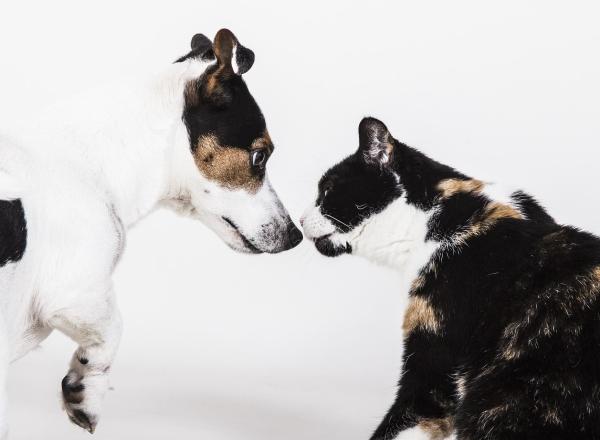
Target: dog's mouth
[249,247]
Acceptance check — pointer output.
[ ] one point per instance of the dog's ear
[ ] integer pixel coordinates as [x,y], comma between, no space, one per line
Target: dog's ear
[219,83]
[376,144]
[201,48]
[231,55]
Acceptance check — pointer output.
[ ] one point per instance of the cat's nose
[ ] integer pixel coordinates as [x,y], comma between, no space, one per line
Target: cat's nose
[302,220]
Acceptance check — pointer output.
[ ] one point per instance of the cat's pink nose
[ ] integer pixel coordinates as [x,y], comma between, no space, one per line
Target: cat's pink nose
[302,221]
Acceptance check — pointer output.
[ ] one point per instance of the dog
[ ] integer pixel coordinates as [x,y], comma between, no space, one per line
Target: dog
[502,328]
[192,139]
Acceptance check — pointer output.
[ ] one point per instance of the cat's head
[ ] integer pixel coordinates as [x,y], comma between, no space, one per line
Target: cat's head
[376,200]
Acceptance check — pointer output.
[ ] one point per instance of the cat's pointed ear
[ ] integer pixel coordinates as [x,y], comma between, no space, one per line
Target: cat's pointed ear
[376,144]
[231,55]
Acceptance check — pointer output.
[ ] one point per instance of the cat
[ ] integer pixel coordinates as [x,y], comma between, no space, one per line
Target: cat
[502,328]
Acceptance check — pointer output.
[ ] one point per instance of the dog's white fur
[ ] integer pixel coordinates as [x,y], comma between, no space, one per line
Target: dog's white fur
[86,172]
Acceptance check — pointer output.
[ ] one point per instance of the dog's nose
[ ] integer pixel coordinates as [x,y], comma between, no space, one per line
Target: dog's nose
[294,236]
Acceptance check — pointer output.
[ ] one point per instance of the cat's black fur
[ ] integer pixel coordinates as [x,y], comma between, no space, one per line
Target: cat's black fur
[504,334]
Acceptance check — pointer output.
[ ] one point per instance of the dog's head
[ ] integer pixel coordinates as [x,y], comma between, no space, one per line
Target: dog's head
[372,201]
[230,146]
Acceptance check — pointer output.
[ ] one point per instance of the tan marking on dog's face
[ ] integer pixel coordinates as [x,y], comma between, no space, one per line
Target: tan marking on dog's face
[438,429]
[263,142]
[450,187]
[228,166]
[417,283]
[420,314]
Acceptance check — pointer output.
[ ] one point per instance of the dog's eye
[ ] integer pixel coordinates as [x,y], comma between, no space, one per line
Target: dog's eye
[258,158]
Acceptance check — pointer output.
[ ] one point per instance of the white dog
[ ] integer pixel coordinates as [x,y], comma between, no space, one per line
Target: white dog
[71,185]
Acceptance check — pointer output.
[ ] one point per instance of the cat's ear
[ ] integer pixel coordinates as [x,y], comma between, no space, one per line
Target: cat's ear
[376,144]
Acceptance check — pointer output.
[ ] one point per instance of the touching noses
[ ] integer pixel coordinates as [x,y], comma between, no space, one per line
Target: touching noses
[294,236]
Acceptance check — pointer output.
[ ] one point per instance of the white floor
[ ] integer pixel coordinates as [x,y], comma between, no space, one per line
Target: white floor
[184,400]
[224,357]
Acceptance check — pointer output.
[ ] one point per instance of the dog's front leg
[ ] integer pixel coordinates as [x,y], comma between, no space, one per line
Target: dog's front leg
[93,322]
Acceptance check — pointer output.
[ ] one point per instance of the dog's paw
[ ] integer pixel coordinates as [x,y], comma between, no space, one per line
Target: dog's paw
[82,398]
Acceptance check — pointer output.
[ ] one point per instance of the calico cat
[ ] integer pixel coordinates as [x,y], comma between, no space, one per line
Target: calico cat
[502,330]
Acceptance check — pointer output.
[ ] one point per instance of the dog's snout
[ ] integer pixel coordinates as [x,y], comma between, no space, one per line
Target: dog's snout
[294,236]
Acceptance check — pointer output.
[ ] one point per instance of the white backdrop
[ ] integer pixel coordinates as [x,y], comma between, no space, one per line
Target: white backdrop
[296,346]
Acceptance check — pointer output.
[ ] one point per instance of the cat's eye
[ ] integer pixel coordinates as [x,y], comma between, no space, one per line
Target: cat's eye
[326,188]
[258,158]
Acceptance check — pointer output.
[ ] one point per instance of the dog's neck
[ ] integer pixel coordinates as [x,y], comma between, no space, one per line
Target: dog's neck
[151,162]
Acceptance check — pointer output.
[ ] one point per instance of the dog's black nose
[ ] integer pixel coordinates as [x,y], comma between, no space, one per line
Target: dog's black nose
[294,236]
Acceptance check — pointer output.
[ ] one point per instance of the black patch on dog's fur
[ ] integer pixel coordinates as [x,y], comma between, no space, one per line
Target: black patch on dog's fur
[233,116]
[517,305]
[219,102]
[13,231]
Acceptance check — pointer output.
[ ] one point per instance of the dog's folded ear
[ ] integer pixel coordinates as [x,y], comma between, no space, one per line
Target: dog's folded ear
[375,142]
[201,48]
[231,55]
[201,43]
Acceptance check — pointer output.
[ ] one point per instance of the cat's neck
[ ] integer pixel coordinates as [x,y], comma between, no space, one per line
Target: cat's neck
[396,237]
